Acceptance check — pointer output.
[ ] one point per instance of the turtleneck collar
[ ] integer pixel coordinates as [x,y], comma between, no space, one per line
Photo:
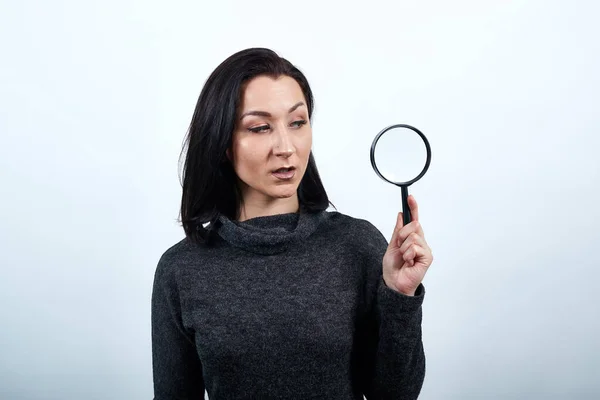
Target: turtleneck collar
[270,234]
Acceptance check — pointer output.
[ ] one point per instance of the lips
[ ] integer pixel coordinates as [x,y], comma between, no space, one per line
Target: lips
[284,173]
[284,169]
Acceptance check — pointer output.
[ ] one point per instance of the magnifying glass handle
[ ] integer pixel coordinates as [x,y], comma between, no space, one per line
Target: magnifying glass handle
[405,209]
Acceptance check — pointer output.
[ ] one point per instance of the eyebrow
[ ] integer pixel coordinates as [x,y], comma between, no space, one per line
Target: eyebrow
[266,114]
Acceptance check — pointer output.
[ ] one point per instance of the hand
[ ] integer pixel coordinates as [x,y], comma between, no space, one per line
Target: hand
[408,256]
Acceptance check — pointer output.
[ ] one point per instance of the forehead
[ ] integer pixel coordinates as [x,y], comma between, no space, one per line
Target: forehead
[265,93]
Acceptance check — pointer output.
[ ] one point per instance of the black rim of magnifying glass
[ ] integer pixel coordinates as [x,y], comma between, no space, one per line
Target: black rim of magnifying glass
[427,162]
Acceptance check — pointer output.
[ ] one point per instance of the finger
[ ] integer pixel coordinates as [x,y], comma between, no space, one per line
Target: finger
[414,207]
[397,229]
[413,226]
[414,251]
[410,254]
[412,238]
[418,234]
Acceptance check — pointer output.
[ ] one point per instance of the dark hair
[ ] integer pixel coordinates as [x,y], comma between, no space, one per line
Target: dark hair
[210,185]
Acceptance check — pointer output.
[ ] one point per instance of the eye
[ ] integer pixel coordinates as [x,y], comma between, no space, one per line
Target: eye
[299,123]
[259,129]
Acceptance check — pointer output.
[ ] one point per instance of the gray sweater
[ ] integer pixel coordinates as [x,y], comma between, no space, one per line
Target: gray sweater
[290,306]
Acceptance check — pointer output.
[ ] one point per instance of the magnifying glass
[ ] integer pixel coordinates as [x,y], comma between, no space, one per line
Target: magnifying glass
[400,155]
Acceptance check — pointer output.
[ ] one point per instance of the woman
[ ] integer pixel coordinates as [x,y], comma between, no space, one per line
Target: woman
[271,296]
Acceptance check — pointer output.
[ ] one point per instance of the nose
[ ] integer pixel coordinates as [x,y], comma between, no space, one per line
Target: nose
[283,146]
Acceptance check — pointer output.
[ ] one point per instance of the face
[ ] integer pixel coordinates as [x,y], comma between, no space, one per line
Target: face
[272,139]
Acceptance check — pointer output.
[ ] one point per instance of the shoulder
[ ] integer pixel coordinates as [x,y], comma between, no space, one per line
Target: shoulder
[174,252]
[358,239]
[358,230]
[171,261]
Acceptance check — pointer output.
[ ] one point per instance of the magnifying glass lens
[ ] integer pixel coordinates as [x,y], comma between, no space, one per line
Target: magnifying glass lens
[400,154]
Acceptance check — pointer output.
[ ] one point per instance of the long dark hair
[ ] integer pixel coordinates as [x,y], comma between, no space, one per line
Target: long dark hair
[210,186]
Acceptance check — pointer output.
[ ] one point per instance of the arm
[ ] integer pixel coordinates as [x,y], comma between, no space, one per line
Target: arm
[395,349]
[392,360]
[177,370]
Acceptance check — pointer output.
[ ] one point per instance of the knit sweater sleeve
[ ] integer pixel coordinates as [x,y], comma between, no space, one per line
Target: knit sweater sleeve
[391,348]
[177,371]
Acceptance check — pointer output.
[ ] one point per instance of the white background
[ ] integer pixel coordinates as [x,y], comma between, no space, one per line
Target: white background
[95,100]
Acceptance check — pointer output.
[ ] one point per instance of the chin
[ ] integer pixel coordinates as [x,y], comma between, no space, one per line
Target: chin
[284,192]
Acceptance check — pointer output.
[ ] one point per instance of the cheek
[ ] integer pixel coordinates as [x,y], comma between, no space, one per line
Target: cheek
[304,146]
[248,157]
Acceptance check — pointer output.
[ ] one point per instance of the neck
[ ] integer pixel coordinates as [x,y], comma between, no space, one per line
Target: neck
[269,234]
[253,207]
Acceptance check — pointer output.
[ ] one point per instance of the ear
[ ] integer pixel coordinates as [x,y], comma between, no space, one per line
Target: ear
[228,154]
